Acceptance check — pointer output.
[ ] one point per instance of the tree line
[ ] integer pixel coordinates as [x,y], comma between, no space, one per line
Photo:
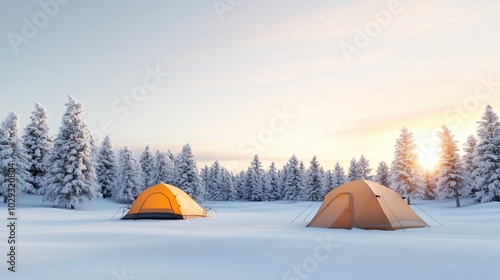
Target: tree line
[71,169]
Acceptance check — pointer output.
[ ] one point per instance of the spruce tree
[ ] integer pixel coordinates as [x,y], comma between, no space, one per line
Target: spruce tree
[486,158]
[106,168]
[450,177]
[339,177]
[314,181]
[469,166]
[147,161]
[38,143]
[272,182]
[186,174]
[363,168]
[129,179]
[163,168]
[255,180]
[71,177]
[293,180]
[13,153]
[353,171]
[383,174]
[405,177]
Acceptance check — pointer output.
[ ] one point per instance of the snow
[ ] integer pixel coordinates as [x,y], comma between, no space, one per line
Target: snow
[249,240]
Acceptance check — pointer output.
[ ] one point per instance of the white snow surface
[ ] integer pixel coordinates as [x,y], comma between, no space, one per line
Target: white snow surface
[248,240]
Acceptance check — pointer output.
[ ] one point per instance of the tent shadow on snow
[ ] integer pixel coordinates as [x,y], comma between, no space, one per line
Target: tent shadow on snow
[366,205]
[164,202]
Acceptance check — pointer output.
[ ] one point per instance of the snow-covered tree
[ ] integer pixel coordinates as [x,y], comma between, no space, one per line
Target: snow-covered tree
[339,177]
[486,158]
[163,169]
[383,174]
[272,182]
[226,185]
[405,176]
[106,168]
[255,180]
[186,174]
[327,184]
[13,152]
[429,182]
[71,177]
[363,168]
[314,181]
[293,180]
[241,191]
[450,177]
[469,165]
[213,188]
[302,170]
[353,171]
[38,143]
[148,172]
[129,177]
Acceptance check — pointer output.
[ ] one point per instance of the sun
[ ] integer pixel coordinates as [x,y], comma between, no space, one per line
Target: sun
[428,161]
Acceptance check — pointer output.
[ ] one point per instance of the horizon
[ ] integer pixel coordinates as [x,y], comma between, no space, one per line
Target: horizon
[300,78]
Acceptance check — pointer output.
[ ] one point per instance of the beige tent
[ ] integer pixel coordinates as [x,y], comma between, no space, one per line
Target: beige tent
[366,205]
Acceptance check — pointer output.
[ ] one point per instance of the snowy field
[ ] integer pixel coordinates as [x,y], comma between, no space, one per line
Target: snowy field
[249,241]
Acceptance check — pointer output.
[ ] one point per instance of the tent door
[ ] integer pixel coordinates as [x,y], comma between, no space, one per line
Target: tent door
[344,210]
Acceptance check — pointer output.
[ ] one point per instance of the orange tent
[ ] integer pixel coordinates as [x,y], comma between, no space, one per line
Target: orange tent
[366,205]
[164,201]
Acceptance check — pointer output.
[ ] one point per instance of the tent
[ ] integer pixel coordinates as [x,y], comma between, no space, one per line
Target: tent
[366,205]
[164,201]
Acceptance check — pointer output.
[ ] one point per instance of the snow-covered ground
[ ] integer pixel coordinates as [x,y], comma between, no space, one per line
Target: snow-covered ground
[248,240]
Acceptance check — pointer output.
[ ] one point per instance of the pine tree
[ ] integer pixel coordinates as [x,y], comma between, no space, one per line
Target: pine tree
[327,183]
[272,182]
[486,158]
[129,177]
[405,178]
[163,169]
[170,179]
[148,176]
[226,185]
[430,182]
[339,177]
[450,177]
[106,168]
[293,180]
[213,185]
[469,166]
[71,177]
[256,180]
[314,181]
[363,168]
[383,174]
[240,186]
[186,174]
[353,172]
[12,152]
[38,143]
[303,193]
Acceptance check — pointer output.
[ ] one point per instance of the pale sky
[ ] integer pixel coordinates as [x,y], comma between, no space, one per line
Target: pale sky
[271,77]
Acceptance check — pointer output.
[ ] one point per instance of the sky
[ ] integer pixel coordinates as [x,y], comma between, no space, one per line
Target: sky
[335,79]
